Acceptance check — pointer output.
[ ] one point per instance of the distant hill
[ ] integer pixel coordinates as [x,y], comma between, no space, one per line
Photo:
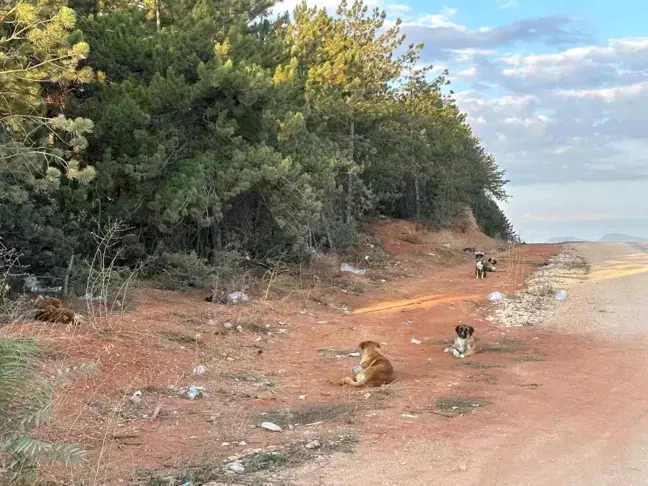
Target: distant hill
[621,238]
[564,239]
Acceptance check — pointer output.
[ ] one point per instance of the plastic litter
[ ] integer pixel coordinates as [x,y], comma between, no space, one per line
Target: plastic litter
[237,467]
[561,294]
[356,370]
[495,296]
[345,267]
[271,427]
[194,392]
[415,341]
[237,298]
[136,397]
[200,370]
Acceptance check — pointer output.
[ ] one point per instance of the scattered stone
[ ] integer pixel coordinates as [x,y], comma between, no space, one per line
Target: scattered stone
[316,444]
[229,358]
[415,341]
[239,328]
[271,427]
[355,354]
[322,322]
[227,325]
[301,397]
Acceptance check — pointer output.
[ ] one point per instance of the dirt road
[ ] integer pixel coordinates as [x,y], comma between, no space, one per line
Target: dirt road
[572,412]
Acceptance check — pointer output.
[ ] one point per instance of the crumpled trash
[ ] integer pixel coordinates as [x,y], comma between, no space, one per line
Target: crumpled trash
[200,370]
[271,427]
[237,298]
[315,444]
[194,392]
[345,267]
[561,294]
[136,397]
[496,296]
[415,341]
[237,467]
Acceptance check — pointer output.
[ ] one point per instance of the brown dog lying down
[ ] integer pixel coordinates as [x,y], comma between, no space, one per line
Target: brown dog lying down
[376,368]
[52,310]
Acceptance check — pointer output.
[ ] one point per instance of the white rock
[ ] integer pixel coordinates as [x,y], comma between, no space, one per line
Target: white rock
[415,341]
[270,426]
[237,467]
[314,445]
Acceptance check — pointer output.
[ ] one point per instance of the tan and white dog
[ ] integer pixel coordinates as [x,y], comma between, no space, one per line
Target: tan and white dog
[464,344]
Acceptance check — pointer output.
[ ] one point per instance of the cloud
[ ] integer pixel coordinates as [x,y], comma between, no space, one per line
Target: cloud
[507,4]
[442,36]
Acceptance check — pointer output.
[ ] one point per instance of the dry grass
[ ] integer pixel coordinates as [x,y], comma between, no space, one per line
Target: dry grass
[310,414]
[460,405]
[504,346]
[480,366]
[336,353]
[256,465]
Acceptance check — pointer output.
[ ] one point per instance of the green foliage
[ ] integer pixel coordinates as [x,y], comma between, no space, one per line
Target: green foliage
[40,55]
[216,129]
[25,404]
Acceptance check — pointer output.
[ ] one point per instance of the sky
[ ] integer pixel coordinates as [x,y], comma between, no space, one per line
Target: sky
[558,93]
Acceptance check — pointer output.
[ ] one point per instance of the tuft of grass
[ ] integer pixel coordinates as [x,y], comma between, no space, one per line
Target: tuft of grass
[438,342]
[265,461]
[488,378]
[529,358]
[308,415]
[181,338]
[531,386]
[333,353]
[480,366]
[287,456]
[249,377]
[504,346]
[461,405]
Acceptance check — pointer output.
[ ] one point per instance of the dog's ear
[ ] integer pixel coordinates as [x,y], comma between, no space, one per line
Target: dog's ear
[470,330]
[457,329]
[363,344]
